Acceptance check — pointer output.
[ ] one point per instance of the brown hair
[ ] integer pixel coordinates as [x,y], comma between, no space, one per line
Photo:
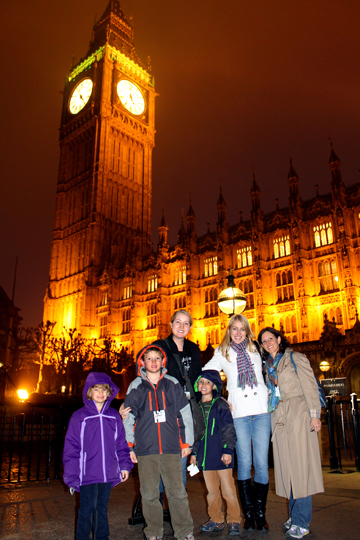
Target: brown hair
[181,312]
[103,386]
[153,349]
[224,346]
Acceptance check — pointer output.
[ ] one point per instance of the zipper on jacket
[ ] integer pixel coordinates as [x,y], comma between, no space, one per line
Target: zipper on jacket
[102,446]
[150,404]
[213,425]
[85,464]
[206,428]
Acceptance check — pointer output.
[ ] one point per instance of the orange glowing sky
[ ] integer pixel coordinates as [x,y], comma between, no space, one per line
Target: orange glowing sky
[242,83]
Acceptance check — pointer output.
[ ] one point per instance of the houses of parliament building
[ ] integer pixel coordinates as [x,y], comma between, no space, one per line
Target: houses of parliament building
[297,265]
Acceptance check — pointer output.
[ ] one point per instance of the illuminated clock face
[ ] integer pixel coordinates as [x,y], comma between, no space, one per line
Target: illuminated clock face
[131,97]
[80,96]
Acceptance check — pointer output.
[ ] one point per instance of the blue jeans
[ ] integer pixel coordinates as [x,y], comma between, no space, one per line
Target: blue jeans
[300,511]
[253,430]
[183,468]
[93,502]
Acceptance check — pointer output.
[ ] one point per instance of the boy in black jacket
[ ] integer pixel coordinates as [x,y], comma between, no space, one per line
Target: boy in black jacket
[214,455]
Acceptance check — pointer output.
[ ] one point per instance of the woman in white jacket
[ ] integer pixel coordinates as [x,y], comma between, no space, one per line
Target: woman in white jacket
[238,357]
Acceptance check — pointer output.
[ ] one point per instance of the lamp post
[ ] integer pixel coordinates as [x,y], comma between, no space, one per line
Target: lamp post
[231,300]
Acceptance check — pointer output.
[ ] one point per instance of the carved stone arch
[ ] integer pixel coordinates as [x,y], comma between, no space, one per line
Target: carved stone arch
[350,368]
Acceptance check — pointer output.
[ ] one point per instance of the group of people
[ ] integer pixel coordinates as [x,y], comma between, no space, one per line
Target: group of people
[271,390]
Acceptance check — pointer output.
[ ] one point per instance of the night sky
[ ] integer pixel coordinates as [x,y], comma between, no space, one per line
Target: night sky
[242,84]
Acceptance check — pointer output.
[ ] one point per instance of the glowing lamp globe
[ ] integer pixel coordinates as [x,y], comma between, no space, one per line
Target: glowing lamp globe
[22,394]
[324,365]
[231,300]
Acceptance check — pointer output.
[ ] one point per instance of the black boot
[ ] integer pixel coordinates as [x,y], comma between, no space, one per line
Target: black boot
[260,496]
[246,499]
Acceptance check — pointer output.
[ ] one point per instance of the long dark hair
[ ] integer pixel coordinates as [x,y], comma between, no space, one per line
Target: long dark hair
[284,344]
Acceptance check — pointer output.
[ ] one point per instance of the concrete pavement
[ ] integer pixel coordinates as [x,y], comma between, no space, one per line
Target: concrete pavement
[34,511]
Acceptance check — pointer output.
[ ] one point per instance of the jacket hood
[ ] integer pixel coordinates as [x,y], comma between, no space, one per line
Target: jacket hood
[140,355]
[99,378]
[213,376]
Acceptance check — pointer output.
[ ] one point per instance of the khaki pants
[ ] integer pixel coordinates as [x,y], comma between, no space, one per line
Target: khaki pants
[168,466]
[222,483]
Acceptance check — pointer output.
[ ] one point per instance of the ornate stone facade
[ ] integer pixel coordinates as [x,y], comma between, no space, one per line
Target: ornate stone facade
[295,264]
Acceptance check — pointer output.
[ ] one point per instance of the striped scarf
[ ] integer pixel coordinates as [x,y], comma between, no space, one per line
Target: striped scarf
[246,374]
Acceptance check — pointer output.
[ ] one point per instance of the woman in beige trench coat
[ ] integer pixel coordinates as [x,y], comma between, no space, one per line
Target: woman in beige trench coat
[295,420]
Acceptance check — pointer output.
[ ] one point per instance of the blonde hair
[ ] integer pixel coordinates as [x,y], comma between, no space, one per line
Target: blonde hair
[181,312]
[224,346]
[103,386]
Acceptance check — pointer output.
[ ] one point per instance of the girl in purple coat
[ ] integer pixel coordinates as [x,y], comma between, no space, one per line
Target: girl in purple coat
[96,455]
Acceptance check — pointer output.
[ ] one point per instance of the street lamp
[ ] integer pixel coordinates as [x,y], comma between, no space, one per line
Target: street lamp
[231,300]
[324,366]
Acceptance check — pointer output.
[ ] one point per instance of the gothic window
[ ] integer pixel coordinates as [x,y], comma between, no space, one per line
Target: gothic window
[339,318]
[323,234]
[244,257]
[127,291]
[104,299]
[118,160]
[133,165]
[328,276]
[129,163]
[293,324]
[211,302]
[180,302]
[210,267]
[247,287]
[152,283]
[103,326]
[180,275]
[284,286]
[126,316]
[281,246]
[151,314]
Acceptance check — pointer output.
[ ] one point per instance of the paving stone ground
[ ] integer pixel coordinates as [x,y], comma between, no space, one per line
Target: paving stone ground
[36,511]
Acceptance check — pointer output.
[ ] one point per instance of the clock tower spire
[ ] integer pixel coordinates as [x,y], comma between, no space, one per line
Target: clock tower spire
[103,200]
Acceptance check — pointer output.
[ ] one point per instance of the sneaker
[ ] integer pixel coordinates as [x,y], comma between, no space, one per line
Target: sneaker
[286,525]
[296,532]
[212,526]
[234,528]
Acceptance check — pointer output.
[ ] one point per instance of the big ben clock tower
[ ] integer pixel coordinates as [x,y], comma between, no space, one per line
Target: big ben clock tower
[103,200]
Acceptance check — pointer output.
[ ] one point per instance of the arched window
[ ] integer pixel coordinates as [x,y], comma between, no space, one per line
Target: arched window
[323,234]
[276,251]
[244,257]
[281,246]
[317,239]
[287,247]
[339,318]
[330,237]
[282,249]
[284,287]
[287,325]
[293,324]
[323,237]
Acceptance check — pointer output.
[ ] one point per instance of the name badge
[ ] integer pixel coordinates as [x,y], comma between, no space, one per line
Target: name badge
[187,394]
[277,391]
[159,416]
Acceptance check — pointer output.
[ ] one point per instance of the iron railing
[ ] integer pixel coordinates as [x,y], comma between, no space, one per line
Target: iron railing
[32,439]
